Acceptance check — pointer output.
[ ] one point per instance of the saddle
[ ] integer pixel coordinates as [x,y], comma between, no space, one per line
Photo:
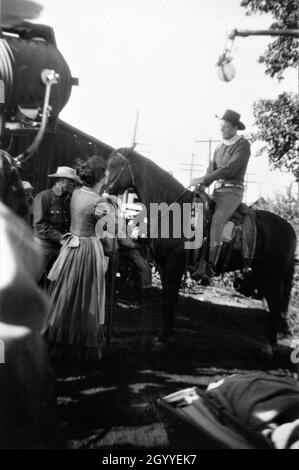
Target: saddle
[240,230]
[239,233]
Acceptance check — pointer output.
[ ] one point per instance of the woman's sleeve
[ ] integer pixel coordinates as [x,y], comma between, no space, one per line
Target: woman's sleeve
[103,208]
[106,222]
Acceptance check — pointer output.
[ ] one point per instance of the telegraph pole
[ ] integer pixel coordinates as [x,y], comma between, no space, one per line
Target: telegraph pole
[134,143]
[191,167]
[210,142]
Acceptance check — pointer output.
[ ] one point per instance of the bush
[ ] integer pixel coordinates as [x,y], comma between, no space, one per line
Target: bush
[285,205]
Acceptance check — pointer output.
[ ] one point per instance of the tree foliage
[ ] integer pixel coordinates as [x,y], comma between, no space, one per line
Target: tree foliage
[283,51]
[278,127]
[277,120]
[285,205]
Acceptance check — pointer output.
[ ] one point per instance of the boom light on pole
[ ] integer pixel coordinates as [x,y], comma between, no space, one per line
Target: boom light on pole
[226,70]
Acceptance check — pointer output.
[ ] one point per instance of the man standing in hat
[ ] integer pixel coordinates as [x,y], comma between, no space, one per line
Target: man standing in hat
[51,214]
[227,169]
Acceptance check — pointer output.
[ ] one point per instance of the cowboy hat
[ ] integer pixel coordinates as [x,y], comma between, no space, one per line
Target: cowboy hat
[65,172]
[234,118]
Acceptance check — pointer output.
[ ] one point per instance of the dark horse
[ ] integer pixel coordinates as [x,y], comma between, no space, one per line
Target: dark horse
[273,264]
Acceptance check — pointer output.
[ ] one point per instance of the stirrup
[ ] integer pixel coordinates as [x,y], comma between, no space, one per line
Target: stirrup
[204,273]
[206,278]
[198,271]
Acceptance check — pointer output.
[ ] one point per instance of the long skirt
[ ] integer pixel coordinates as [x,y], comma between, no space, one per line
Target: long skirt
[74,327]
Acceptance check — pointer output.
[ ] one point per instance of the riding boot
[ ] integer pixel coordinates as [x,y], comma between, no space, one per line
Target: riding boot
[247,265]
[214,252]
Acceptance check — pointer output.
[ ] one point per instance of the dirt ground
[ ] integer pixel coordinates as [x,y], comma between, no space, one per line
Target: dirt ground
[112,404]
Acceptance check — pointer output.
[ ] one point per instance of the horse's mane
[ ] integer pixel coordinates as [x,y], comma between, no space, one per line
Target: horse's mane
[158,184]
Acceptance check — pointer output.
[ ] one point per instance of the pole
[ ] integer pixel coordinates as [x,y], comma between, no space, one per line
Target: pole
[135,130]
[112,293]
[191,167]
[210,142]
[263,32]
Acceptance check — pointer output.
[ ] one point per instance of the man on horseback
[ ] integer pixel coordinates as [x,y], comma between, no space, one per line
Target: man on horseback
[227,169]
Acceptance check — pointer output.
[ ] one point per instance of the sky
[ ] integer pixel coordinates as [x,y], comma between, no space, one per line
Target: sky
[158,57]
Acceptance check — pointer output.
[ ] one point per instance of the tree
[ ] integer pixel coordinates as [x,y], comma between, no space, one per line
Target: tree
[283,51]
[284,205]
[277,120]
[278,127]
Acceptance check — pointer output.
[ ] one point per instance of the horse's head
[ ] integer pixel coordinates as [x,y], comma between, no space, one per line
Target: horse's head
[121,176]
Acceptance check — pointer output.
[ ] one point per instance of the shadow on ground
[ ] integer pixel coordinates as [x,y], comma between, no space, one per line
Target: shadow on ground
[112,404]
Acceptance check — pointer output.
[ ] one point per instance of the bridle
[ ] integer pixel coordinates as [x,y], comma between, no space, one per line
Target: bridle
[126,165]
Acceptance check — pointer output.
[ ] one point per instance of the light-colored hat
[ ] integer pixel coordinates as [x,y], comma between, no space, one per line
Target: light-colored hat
[27,185]
[65,172]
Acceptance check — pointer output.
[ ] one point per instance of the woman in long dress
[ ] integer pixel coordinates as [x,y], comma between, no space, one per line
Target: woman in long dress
[74,328]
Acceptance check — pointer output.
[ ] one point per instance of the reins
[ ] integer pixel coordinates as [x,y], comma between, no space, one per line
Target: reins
[123,168]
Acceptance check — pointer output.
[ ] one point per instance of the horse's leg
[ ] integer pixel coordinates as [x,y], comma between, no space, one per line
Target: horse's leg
[274,295]
[172,272]
[287,288]
[277,293]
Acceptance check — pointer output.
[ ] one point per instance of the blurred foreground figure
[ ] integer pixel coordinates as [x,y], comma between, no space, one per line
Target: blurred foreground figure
[27,396]
[264,403]
[13,12]
[250,411]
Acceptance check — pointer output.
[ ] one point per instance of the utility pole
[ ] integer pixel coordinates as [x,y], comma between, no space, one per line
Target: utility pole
[210,142]
[191,167]
[134,143]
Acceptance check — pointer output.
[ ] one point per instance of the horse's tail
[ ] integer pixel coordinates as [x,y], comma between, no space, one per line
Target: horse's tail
[287,288]
[289,275]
